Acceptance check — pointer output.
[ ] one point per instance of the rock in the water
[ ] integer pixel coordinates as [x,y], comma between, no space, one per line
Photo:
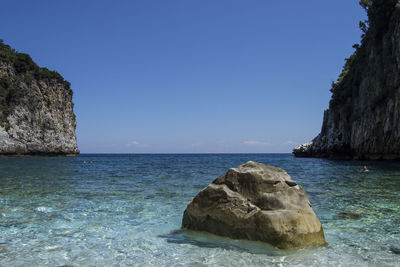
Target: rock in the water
[302,150]
[348,215]
[3,248]
[395,250]
[256,202]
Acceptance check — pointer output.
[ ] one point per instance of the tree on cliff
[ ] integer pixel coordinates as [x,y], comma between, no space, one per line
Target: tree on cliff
[379,13]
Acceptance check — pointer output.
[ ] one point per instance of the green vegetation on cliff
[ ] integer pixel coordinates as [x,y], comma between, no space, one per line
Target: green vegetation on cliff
[380,13]
[23,64]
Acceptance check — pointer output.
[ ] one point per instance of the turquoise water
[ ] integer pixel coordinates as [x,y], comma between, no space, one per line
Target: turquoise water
[126,210]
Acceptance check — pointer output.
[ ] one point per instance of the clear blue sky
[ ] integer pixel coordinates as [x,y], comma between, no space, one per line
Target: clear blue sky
[190,75]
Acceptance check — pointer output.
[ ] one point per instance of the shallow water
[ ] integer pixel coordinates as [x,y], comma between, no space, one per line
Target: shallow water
[126,210]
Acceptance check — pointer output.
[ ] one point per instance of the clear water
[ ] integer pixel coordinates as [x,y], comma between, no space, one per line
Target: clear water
[126,210]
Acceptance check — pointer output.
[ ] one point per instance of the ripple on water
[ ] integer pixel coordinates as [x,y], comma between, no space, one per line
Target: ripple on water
[107,210]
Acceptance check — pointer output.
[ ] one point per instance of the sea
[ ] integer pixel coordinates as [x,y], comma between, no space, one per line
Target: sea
[126,210]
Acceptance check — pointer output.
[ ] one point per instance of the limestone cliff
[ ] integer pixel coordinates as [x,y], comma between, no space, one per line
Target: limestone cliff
[363,119]
[36,109]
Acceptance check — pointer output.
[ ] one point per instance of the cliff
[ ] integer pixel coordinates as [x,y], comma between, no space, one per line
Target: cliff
[363,119]
[36,109]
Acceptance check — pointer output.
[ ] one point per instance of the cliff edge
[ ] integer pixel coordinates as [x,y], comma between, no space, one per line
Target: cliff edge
[363,119]
[36,109]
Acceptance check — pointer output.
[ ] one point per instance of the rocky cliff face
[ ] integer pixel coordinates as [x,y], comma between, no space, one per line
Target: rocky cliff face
[363,119]
[36,109]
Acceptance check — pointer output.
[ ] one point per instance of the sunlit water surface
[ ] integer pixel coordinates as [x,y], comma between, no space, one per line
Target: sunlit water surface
[126,210]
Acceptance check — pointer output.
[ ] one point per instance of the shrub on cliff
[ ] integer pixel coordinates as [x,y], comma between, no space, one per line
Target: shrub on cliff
[9,95]
[379,13]
[379,16]
[23,64]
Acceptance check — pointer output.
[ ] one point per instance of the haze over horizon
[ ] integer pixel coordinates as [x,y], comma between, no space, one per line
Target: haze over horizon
[190,76]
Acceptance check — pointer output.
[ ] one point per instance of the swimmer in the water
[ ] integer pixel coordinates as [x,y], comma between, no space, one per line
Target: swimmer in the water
[366,169]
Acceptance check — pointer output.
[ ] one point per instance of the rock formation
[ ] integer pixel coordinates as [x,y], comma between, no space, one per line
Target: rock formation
[363,119]
[36,109]
[256,202]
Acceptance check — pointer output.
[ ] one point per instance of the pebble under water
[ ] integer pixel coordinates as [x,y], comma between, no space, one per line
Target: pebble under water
[126,210]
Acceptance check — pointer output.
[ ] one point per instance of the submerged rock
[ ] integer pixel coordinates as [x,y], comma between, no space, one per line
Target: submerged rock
[395,250]
[3,248]
[256,202]
[353,215]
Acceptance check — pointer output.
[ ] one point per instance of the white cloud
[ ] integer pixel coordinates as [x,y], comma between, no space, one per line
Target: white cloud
[258,143]
[289,143]
[133,143]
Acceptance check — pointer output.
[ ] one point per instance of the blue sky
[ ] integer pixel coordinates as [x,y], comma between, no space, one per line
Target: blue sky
[172,76]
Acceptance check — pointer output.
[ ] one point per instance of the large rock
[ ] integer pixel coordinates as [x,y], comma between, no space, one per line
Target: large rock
[256,202]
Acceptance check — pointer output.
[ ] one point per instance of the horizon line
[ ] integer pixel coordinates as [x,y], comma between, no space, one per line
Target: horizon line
[160,153]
